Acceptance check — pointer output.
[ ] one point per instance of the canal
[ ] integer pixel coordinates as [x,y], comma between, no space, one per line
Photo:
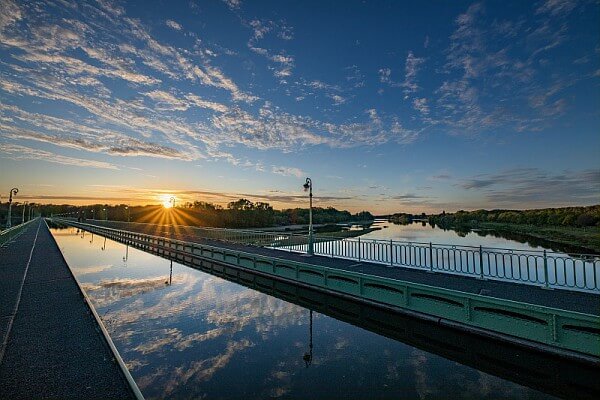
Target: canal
[184,333]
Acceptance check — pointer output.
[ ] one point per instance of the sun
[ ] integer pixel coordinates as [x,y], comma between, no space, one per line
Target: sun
[168,201]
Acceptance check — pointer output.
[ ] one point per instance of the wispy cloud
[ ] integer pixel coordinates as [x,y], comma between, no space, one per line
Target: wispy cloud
[17,152]
[260,29]
[288,171]
[412,66]
[354,76]
[70,134]
[385,76]
[233,4]
[9,13]
[420,104]
[556,7]
[534,186]
[164,100]
[500,84]
[337,99]
[173,25]
[408,196]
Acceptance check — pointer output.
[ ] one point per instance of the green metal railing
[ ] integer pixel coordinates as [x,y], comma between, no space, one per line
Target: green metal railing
[543,268]
[550,327]
[9,234]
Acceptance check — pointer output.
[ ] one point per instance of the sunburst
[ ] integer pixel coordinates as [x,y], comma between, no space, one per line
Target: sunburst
[168,201]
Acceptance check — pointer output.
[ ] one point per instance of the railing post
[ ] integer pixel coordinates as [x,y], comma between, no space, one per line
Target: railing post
[359,249]
[391,253]
[546,283]
[480,262]
[430,257]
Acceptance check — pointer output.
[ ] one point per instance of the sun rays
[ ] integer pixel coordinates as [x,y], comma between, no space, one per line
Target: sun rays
[167,218]
[168,201]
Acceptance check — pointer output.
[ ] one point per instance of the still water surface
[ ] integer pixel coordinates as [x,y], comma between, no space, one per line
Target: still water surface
[425,233]
[189,334]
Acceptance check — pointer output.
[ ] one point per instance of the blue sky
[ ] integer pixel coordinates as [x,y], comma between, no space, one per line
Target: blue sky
[387,105]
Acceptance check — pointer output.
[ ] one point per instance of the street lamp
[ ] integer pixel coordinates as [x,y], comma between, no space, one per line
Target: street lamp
[127,210]
[12,192]
[308,186]
[172,200]
[105,214]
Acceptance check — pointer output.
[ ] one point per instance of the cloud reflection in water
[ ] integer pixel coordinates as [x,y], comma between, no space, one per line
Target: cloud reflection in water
[203,336]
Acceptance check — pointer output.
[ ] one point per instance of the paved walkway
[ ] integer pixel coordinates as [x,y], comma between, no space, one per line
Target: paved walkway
[50,343]
[557,298]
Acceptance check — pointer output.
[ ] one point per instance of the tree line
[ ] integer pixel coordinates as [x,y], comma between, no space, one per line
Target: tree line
[566,216]
[241,213]
[244,213]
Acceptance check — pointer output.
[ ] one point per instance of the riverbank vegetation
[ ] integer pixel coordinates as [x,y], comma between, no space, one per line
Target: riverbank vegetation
[583,240]
[575,217]
[574,226]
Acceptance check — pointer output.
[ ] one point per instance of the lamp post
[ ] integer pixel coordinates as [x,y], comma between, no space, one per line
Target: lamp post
[12,192]
[105,214]
[172,200]
[127,211]
[93,213]
[308,186]
[309,355]
[23,217]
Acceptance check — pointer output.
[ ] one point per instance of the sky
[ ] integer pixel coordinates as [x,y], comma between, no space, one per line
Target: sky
[388,106]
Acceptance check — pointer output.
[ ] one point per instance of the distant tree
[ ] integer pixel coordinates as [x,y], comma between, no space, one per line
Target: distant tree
[586,219]
[241,204]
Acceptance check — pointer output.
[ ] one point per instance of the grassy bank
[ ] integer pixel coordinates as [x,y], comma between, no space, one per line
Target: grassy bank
[586,238]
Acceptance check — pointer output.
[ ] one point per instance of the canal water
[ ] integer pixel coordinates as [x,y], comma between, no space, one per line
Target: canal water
[184,333]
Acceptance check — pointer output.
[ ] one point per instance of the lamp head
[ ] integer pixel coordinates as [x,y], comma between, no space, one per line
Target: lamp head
[307,184]
[13,192]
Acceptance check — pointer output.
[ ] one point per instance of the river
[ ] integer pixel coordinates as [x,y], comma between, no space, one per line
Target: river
[425,233]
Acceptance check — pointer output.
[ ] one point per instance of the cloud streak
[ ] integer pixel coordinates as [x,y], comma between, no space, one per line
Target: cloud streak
[535,186]
[17,152]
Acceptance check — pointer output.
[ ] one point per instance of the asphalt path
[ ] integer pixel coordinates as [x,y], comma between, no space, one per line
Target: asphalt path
[51,344]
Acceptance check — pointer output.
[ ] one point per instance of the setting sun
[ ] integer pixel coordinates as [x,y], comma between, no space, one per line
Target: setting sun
[168,201]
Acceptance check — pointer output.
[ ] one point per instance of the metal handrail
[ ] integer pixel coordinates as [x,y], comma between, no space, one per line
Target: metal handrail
[544,268]
[12,232]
